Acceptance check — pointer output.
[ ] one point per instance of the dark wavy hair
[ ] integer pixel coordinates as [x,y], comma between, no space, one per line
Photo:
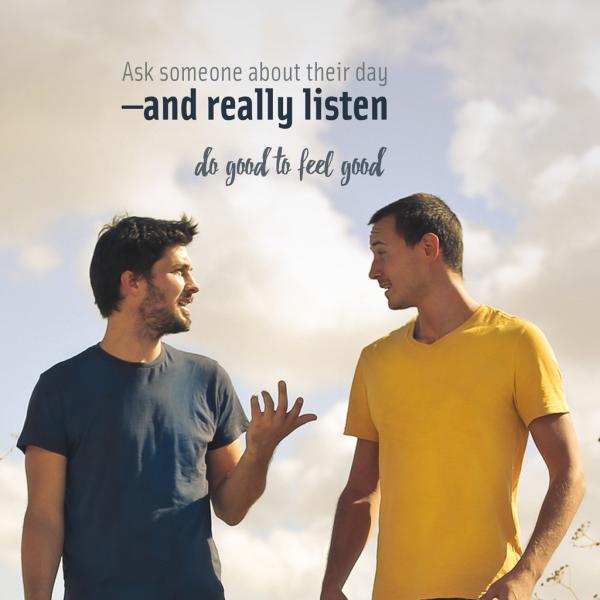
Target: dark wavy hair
[132,244]
[421,213]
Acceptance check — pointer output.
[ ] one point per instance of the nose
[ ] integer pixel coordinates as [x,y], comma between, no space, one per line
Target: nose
[374,271]
[191,284]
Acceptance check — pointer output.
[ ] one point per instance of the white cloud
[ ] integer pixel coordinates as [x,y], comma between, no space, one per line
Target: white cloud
[489,141]
[556,183]
[40,258]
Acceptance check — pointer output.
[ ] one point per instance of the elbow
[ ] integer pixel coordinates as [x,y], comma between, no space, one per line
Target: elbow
[43,518]
[230,517]
[577,479]
[361,495]
[580,482]
[579,486]
[573,479]
[364,501]
[232,520]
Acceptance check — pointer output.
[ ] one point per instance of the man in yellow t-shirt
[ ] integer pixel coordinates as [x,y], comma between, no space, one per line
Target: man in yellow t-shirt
[442,408]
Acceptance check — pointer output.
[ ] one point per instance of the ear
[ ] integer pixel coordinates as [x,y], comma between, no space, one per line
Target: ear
[431,246]
[131,284]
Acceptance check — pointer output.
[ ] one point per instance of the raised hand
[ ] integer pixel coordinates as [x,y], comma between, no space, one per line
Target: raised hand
[269,426]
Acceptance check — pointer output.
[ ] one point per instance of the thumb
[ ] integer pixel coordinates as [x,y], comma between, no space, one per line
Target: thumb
[303,420]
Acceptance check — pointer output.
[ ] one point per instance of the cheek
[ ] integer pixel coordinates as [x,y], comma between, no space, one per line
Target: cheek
[178,287]
[174,286]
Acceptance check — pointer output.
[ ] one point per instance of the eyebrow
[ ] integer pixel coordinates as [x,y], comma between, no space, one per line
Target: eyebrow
[377,243]
[185,265]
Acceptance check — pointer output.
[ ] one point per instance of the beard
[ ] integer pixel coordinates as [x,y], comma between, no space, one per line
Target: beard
[160,319]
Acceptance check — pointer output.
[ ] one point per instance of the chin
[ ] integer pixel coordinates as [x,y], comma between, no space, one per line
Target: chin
[178,327]
[177,323]
[186,322]
[398,304]
[183,324]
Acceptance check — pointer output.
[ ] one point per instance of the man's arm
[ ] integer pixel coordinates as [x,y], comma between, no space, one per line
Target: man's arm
[43,526]
[555,438]
[354,518]
[237,480]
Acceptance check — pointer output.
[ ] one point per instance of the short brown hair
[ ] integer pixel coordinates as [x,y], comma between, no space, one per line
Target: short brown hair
[132,244]
[422,213]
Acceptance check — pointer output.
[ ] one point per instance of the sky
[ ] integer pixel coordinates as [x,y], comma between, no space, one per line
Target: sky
[491,105]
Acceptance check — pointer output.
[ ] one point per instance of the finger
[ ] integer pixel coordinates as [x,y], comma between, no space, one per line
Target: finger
[303,420]
[293,414]
[282,401]
[254,407]
[269,404]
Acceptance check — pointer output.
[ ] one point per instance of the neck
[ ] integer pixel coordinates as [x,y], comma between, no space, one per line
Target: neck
[446,307]
[125,340]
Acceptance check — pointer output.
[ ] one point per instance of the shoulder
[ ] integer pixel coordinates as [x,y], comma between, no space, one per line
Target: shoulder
[515,335]
[388,343]
[68,367]
[190,358]
[511,325]
[200,364]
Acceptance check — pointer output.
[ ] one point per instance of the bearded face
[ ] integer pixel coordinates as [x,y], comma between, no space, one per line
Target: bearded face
[161,316]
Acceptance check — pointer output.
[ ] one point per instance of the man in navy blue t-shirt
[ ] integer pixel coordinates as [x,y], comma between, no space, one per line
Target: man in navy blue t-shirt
[128,442]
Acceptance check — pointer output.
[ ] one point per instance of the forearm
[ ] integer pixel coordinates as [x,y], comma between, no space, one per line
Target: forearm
[234,489]
[41,549]
[562,500]
[242,487]
[354,520]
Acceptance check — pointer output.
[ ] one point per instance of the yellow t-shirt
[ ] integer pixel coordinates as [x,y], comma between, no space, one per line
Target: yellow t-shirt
[451,422]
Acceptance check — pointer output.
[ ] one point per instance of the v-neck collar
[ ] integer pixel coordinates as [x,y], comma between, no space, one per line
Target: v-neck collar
[448,336]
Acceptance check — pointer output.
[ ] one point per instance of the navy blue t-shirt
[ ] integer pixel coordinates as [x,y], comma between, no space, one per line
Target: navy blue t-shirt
[137,510]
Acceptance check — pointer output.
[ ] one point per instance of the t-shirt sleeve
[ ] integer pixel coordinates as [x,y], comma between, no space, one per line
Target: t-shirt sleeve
[44,424]
[230,419]
[538,382]
[358,420]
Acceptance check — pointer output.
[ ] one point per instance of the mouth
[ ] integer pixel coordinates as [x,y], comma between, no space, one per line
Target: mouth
[184,301]
[386,285]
